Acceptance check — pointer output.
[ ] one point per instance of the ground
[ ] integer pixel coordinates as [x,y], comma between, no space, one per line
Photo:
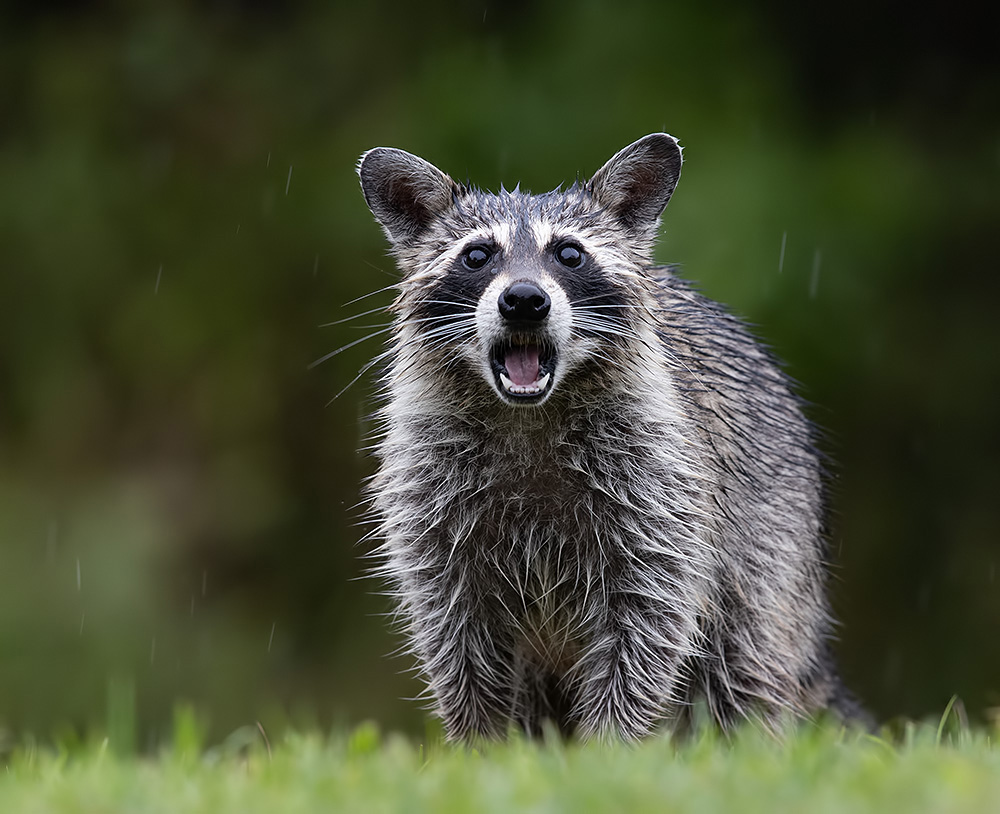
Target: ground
[929,768]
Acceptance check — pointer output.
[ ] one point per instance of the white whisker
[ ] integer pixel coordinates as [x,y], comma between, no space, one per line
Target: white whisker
[348,346]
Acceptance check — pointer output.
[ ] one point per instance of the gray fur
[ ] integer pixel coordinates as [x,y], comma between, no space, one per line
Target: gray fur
[646,533]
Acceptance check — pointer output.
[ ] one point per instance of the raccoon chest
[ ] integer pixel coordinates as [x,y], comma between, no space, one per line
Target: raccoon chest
[542,498]
[532,498]
[539,531]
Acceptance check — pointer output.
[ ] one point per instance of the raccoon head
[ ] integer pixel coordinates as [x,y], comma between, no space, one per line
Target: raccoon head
[525,290]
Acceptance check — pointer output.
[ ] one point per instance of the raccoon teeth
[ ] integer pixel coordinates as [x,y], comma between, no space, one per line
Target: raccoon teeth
[524,389]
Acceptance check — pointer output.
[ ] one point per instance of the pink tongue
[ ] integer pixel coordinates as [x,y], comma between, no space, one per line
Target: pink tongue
[522,364]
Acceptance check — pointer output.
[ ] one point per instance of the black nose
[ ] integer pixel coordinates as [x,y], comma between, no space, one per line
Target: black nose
[524,301]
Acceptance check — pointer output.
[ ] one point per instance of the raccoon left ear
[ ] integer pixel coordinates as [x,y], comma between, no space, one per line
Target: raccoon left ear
[637,181]
[404,192]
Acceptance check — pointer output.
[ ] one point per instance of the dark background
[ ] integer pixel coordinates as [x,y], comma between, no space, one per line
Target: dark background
[179,214]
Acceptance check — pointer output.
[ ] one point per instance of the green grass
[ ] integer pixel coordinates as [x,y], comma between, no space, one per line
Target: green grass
[927,769]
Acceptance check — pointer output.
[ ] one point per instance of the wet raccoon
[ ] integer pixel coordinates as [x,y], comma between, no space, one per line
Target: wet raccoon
[598,499]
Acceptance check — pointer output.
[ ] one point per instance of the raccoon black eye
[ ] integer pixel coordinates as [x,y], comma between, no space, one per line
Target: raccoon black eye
[476,257]
[569,255]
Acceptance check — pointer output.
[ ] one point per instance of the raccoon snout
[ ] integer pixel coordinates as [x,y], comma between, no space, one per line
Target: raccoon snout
[524,302]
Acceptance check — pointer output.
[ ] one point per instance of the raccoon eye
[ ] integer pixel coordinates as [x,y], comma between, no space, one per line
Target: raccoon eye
[476,257]
[569,255]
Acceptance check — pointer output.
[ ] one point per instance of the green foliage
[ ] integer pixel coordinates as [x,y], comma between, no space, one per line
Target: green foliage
[122,730]
[814,769]
[189,734]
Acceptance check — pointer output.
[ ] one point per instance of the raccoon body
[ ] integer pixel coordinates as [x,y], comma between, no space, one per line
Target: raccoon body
[598,499]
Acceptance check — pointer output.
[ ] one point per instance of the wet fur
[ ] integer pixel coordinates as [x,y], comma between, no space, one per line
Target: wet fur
[649,535]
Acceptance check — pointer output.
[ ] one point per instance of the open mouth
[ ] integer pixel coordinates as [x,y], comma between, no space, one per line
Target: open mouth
[523,367]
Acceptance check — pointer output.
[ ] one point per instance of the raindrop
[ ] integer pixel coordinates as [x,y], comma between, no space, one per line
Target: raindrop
[814,279]
[271,637]
[83,618]
[288,182]
[781,257]
[315,265]
[159,273]
[268,164]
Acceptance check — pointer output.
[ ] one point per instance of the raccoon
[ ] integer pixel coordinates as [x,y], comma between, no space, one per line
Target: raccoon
[598,500]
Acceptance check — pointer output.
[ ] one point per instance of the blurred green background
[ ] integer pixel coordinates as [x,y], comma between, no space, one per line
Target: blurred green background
[179,214]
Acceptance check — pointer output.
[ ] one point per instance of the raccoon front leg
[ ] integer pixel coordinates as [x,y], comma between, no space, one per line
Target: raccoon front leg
[629,674]
[469,668]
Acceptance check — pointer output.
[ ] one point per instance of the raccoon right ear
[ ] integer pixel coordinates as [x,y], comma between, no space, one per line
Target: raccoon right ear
[636,183]
[404,192]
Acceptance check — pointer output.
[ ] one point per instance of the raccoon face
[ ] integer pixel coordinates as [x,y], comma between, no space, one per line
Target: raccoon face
[518,343]
[523,289]
[496,302]
[524,321]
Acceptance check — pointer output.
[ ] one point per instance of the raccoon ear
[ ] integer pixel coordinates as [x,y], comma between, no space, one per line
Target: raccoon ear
[637,181]
[404,192]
